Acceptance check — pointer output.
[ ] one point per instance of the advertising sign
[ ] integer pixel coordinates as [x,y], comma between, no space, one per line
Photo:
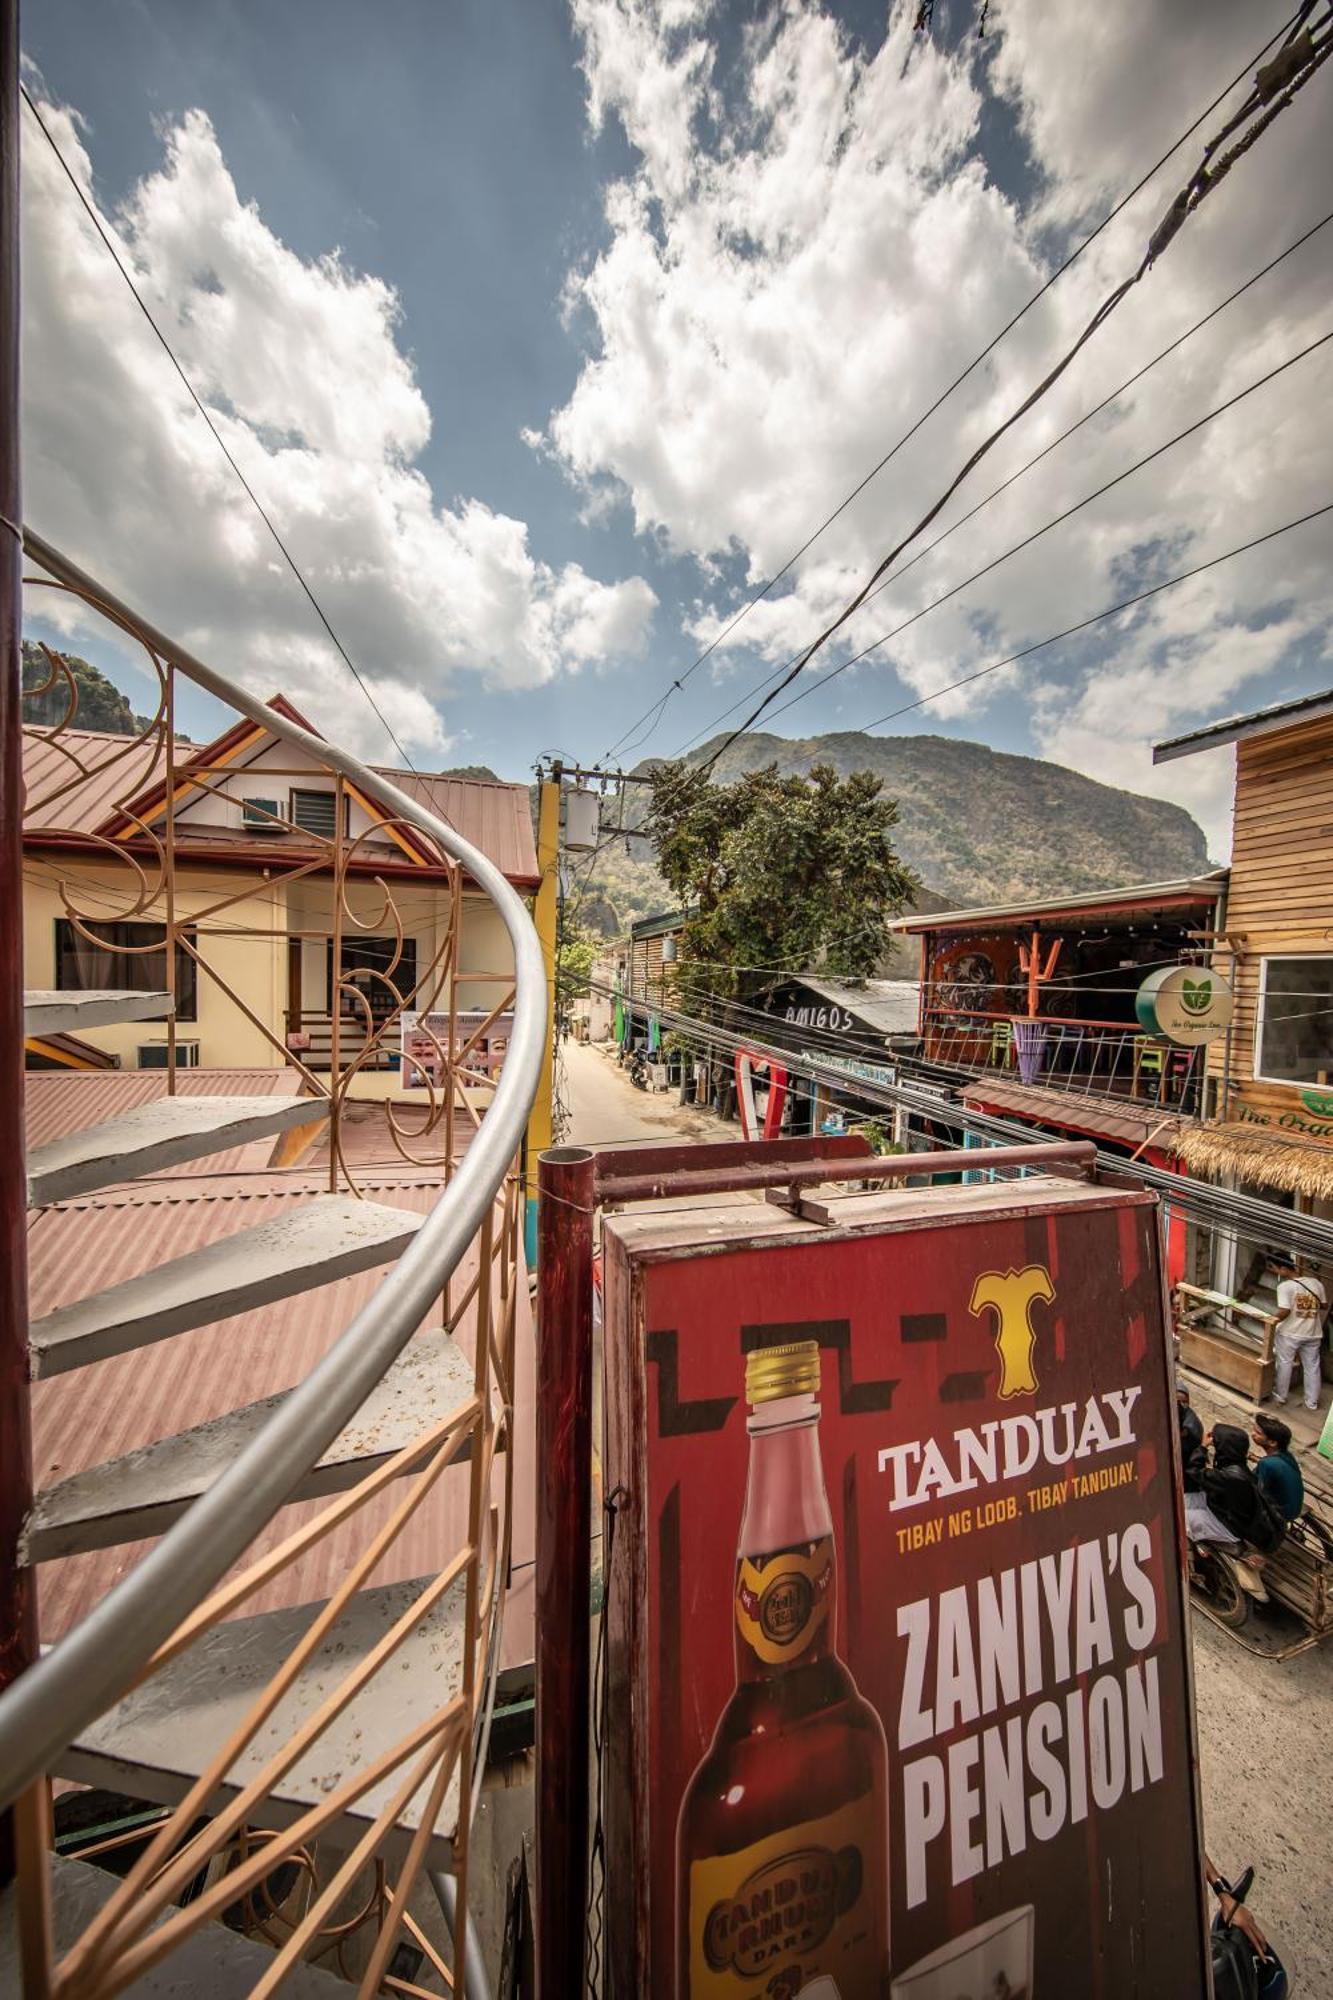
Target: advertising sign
[899,1698]
[425,1044]
[1188,1004]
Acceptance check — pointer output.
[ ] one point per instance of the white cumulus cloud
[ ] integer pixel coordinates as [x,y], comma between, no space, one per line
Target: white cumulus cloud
[301,364]
[812,243]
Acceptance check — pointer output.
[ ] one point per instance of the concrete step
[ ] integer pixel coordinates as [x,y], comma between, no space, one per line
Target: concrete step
[154,1744]
[48,1012]
[157,1135]
[329,1237]
[215,1964]
[144,1491]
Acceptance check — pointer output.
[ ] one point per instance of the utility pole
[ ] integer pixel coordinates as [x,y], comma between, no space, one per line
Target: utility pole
[18,1604]
[545,917]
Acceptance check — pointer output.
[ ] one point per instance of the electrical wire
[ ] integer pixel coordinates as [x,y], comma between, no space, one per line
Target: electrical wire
[1201,1200]
[1289,27]
[1201,184]
[1100,617]
[221,442]
[896,575]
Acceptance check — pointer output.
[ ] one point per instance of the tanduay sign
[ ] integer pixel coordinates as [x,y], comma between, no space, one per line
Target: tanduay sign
[1187,1004]
[899,1702]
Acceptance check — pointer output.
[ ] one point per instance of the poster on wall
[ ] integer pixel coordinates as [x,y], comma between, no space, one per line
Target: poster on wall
[899,1695]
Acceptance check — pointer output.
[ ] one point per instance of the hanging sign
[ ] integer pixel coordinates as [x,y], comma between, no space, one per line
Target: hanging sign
[899,1705]
[1188,1004]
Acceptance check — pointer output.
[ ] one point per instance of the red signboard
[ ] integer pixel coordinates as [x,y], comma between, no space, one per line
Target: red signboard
[900,1704]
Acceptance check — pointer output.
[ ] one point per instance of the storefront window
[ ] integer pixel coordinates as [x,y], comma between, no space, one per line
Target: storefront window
[1294,1038]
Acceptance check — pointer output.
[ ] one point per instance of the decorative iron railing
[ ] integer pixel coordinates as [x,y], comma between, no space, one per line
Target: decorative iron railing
[467,1123]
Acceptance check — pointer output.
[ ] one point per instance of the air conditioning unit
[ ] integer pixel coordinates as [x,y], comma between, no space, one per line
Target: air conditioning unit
[153,1055]
[263,815]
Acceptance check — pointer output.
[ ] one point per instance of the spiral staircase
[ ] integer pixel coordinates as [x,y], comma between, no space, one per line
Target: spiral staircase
[344,1737]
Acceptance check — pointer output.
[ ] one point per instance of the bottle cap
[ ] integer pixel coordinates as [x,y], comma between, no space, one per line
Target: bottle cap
[771,1372]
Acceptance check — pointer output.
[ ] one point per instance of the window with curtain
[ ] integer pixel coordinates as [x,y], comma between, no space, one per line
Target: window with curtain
[122,958]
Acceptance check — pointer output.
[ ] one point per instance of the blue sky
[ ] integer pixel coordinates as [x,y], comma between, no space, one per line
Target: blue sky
[625,300]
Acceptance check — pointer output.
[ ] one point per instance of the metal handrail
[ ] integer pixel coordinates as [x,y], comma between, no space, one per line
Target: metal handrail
[91,1667]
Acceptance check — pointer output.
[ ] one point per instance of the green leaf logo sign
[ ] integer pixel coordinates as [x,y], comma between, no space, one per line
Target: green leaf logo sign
[1318,1101]
[1197,996]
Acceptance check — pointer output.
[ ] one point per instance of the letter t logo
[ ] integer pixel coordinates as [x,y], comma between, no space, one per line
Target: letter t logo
[1009,1294]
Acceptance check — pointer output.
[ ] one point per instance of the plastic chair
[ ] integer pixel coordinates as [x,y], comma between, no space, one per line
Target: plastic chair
[1002,1045]
[1149,1060]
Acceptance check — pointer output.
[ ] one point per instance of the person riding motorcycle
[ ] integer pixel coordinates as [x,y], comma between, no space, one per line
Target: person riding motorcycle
[1222,1498]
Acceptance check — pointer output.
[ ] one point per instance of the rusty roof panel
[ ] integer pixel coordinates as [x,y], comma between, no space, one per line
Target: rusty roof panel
[492,815]
[90,1415]
[57,1103]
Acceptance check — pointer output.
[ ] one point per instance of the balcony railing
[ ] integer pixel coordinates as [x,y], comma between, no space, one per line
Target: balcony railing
[387,1790]
[1089,1058]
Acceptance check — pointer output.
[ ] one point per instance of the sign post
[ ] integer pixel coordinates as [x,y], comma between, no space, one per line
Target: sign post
[899,1692]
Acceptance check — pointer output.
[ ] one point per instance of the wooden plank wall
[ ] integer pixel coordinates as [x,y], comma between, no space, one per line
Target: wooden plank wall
[1281,893]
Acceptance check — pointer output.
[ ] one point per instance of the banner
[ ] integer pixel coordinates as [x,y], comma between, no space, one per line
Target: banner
[900,1706]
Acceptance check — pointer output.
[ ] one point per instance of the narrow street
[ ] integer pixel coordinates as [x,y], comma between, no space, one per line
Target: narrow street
[605,1108]
[1265,1758]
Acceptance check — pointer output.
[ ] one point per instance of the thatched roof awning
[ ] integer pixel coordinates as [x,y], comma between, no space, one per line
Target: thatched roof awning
[1270,1159]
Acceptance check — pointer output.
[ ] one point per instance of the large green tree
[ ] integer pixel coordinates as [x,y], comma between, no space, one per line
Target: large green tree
[794,873]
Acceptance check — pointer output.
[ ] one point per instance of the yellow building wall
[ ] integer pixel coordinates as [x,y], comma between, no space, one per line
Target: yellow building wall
[246,947]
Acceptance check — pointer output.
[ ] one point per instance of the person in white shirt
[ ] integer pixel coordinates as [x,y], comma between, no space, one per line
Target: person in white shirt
[1299,1335]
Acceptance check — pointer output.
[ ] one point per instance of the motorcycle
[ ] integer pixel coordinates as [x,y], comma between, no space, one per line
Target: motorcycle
[1215,1577]
[1241,1971]
[637,1069]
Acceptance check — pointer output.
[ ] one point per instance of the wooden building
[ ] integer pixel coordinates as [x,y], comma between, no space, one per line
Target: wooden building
[1271,1080]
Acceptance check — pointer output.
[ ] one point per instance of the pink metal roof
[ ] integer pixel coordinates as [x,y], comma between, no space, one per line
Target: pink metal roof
[95,1413]
[58,1102]
[493,816]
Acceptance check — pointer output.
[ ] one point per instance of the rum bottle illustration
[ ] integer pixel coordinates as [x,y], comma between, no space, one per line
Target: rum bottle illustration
[782,1878]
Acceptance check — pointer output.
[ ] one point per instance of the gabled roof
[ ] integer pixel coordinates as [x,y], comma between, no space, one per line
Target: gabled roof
[1091,903]
[1237,728]
[494,816]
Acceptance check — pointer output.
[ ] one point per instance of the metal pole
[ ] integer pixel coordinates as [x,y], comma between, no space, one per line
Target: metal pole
[18,1604]
[564,1562]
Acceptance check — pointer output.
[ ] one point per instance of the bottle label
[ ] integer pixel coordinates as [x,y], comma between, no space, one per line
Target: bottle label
[795,1913]
[782,1600]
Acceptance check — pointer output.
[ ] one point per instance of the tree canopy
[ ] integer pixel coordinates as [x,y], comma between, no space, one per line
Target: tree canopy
[793,873]
[101,704]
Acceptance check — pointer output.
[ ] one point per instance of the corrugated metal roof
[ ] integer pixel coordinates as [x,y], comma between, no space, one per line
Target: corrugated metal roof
[118,764]
[90,1415]
[1233,728]
[1137,895]
[56,1103]
[1069,1112]
[890,1006]
[494,816]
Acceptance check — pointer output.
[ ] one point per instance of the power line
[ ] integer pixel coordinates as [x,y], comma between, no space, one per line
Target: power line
[896,575]
[1056,521]
[656,709]
[1201,1200]
[1206,177]
[1099,617]
[222,445]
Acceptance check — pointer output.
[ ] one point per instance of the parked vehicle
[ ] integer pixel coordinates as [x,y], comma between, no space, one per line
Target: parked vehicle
[1298,1577]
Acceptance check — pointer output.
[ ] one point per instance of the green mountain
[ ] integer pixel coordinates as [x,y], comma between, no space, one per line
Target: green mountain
[982,826]
[977,825]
